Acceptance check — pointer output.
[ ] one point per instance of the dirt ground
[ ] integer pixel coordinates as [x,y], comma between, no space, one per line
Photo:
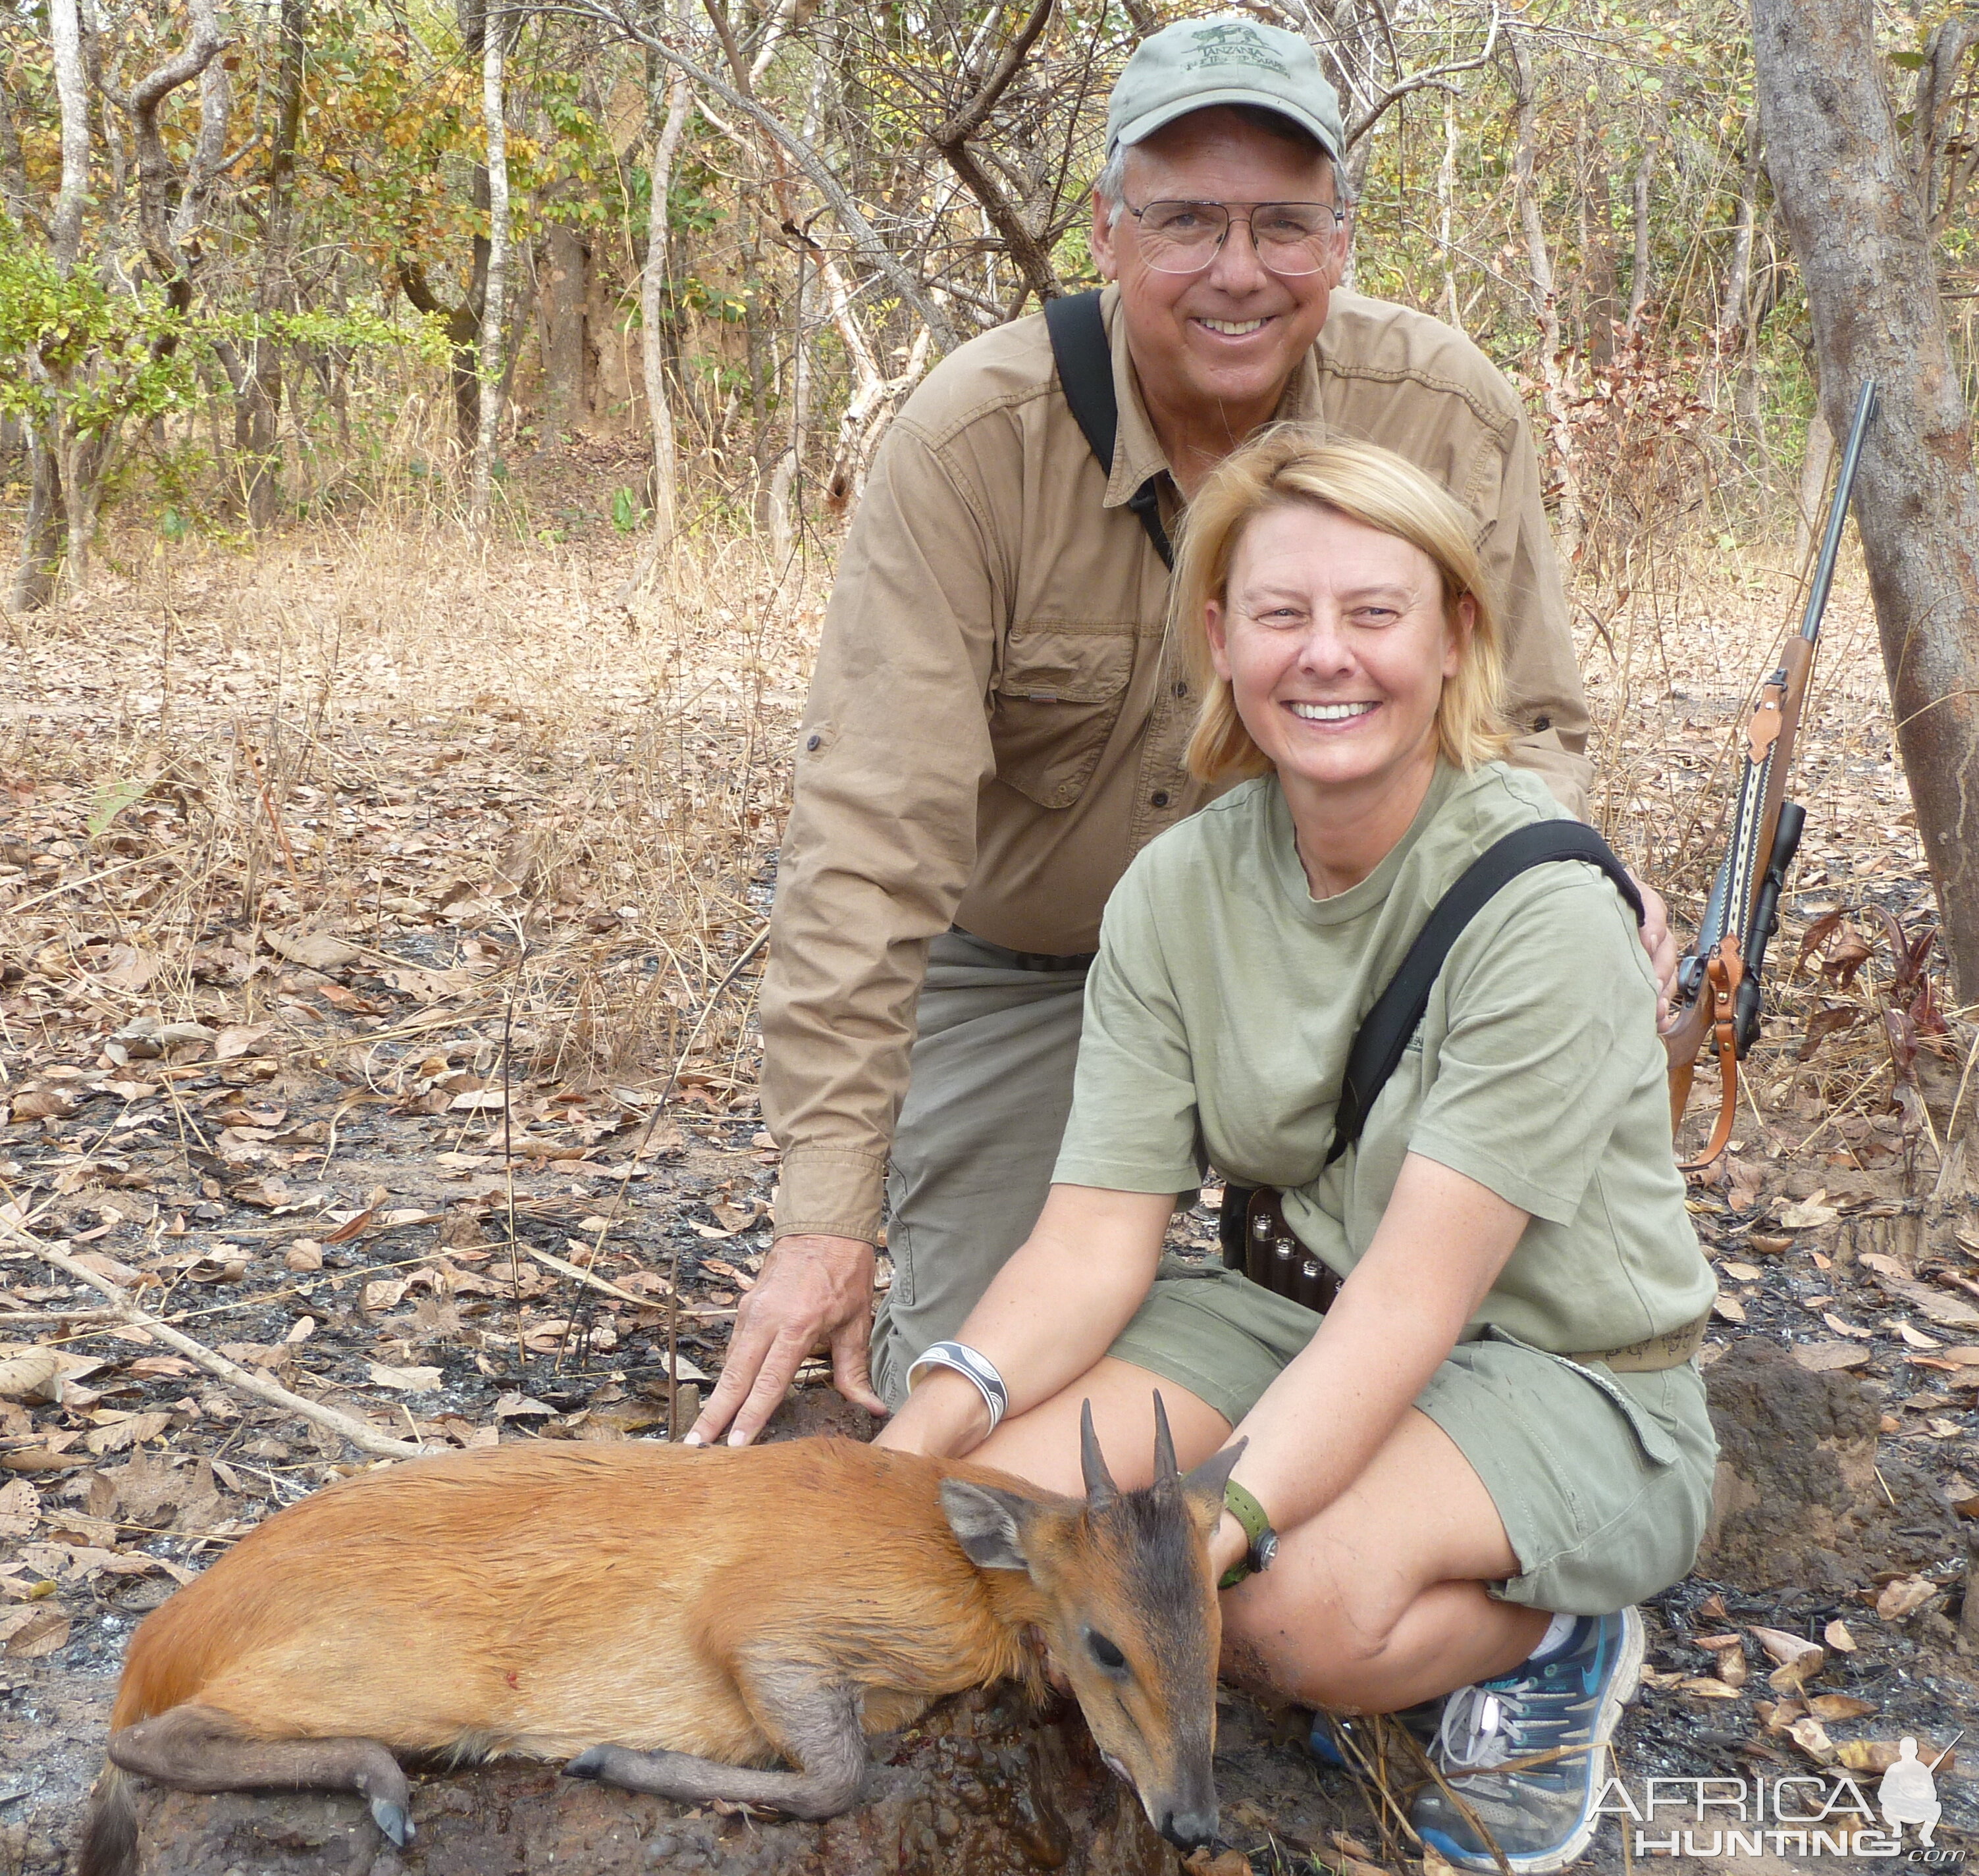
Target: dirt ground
[378,931]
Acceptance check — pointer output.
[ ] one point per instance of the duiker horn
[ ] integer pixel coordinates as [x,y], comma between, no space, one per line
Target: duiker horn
[1100,1489]
[1167,1473]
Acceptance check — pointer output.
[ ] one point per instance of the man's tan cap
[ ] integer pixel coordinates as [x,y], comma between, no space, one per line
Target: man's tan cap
[1227,61]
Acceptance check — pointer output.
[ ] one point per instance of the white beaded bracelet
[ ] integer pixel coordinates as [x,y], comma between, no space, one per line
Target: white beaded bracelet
[973,1367]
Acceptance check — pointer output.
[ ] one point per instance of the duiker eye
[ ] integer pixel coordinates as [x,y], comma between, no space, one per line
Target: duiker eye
[1103,1650]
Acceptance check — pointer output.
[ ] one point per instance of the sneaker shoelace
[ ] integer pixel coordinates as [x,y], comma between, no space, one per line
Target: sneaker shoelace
[1472,1737]
[1487,1725]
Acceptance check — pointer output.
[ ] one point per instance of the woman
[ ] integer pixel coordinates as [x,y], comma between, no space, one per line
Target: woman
[1457,1504]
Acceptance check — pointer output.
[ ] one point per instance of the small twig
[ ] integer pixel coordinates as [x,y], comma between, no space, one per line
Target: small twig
[580,1274]
[365,1438]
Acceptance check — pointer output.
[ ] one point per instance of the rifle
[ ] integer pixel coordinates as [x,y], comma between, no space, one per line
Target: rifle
[1718,996]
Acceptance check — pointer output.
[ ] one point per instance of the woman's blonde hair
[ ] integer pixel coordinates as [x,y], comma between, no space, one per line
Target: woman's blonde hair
[1293,463]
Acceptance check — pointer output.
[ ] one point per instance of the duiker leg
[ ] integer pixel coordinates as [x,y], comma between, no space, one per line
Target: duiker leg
[813,1724]
[195,1749]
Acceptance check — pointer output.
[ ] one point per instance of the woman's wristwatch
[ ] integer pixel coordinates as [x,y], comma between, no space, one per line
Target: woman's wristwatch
[1264,1541]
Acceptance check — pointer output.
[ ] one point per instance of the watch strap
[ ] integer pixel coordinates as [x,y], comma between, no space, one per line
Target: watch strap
[1251,1516]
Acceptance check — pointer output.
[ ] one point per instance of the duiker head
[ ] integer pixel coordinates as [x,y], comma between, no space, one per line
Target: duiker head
[1130,1613]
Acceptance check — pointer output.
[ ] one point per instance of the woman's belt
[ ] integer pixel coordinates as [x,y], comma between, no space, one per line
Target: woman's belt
[1258,1244]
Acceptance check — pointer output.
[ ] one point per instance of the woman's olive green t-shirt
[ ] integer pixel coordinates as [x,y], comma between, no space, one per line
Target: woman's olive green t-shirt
[1219,1014]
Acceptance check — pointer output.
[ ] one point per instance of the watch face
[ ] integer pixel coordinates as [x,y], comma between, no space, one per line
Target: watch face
[1265,1549]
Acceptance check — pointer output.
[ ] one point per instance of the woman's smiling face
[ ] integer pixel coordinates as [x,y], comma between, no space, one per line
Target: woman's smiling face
[1334,641]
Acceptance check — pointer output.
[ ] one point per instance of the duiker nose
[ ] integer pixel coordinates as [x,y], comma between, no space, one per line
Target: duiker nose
[1189,1830]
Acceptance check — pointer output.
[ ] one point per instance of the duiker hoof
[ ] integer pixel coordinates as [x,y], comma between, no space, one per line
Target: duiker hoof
[393,1819]
[588,1764]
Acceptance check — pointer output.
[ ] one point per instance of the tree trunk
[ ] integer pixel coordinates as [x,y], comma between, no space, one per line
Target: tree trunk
[494,310]
[257,413]
[72,91]
[1814,467]
[1546,297]
[652,288]
[566,265]
[1641,280]
[1850,204]
[45,539]
[1597,248]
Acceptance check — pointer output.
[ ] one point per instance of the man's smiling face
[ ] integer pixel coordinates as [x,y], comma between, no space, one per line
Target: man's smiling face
[1227,339]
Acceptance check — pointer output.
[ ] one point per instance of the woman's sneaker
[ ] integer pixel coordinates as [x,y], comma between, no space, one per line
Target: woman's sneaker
[1562,1710]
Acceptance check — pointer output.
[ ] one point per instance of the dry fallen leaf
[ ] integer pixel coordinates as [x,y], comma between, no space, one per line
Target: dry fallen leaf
[1915,1338]
[1783,1644]
[1905,1596]
[1841,1328]
[43,1104]
[238,1040]
[36,1630]
[1837,1636]
[1729,1308]
[20,1508]
[1708,1687]
[1780,1714]
[1742,1273]
[30,1373]
[1824,1358]
[407,1380]
[1808,1214]
[1839,1707]
[314,950]
[1809,1736]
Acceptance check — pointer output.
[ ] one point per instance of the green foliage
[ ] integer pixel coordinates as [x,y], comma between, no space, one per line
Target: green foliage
[628,512]
[68,344]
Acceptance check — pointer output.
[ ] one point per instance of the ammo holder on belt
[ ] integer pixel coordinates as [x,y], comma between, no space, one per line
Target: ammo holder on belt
[1258,1244]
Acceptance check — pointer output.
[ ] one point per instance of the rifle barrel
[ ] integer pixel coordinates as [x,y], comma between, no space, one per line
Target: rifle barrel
[1838,513]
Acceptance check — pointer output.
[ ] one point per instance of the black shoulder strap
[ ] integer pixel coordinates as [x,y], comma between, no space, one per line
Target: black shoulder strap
[1086,375]
[1385,1030]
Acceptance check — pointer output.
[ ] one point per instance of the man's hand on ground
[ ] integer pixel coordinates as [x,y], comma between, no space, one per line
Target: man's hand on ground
[812,1292]
[1661,945]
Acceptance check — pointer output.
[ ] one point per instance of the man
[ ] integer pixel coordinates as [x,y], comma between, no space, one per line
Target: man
[995,727]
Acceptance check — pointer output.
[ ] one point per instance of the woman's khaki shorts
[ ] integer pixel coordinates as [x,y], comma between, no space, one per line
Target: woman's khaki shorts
[1603,1480]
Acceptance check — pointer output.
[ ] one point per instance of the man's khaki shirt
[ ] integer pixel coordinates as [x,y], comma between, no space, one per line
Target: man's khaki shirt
[997,719]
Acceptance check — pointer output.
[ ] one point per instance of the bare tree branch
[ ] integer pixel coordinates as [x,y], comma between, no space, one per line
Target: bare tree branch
[862,231]
[952,140]
[366,1438]
[1439,79]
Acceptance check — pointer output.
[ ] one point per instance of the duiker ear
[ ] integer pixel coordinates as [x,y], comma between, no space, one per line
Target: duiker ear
[989,1523]
[1203,1488]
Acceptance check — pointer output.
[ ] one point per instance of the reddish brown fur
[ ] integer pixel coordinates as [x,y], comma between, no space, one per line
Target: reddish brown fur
[565,1594]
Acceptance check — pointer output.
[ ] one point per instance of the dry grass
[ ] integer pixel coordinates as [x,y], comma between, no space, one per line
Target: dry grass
[388,734]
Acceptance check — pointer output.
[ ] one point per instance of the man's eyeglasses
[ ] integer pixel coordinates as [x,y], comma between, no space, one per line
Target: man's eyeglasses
[1185,237]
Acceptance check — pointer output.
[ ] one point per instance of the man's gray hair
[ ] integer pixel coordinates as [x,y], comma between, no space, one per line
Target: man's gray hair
[1111,183]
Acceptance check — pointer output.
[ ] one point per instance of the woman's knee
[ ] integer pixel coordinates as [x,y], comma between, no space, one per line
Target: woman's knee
[1317,1641]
